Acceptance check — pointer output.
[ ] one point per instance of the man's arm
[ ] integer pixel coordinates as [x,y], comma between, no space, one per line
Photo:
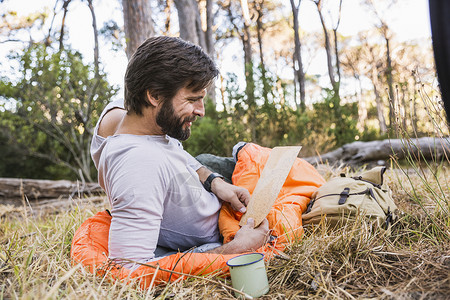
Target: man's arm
[110,122]
[238,197]
[247,239]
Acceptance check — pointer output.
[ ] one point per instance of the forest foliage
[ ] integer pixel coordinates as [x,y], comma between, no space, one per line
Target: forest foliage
[51,96]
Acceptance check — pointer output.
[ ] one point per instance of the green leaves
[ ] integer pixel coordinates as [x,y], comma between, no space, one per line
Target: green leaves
[52,105]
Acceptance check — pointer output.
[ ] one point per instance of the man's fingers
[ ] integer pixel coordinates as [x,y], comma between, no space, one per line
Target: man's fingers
[245,197]
[264,225]
[238,205]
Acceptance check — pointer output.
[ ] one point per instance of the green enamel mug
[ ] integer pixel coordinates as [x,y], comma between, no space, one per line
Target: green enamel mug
[248,274]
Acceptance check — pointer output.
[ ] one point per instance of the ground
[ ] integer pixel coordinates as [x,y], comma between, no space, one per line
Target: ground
[413,262]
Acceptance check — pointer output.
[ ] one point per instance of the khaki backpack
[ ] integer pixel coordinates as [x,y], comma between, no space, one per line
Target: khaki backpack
[343,199]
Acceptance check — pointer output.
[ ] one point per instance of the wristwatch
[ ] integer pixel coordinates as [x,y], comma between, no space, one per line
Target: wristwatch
[208,181]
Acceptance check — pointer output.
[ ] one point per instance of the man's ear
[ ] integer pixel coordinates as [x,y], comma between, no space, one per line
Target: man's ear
[152,100]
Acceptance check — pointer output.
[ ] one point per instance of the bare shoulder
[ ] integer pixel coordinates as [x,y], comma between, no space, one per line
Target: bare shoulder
[111,121]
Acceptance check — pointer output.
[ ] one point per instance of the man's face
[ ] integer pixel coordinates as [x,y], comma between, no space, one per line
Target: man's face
[175,116]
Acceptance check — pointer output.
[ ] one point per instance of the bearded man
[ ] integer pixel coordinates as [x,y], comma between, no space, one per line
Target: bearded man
[162,199]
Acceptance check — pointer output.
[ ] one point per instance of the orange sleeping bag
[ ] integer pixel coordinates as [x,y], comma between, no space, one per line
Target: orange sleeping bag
[90,248]
[285,217]
[90,241]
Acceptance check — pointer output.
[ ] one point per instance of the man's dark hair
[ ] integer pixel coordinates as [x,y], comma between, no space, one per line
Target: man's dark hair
[164,65]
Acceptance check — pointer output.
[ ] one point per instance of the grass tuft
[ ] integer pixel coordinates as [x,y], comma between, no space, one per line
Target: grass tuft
[354,261]
[350,262]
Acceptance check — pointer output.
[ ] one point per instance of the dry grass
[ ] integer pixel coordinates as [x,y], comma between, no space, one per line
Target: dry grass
[351,262]
[345,263]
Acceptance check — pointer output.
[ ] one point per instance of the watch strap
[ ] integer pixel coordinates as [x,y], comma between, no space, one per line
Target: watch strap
[208,181]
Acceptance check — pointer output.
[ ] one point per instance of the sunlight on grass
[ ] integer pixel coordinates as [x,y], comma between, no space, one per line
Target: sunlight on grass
[353,261]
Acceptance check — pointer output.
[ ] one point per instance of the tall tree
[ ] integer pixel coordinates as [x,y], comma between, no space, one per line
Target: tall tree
[336,49]
[238,14]
[366,60]
[248,54]
[138,22]
[353,64]
[63,22]
[259,6]
[334,83]
[241,24]
[167,9]
[387,36]
[192,29]
[190,22]
[298,64]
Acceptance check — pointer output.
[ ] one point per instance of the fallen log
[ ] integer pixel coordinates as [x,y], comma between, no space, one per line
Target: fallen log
[359,153]
[356,154]
[42,207]
[353,154]
[36,189]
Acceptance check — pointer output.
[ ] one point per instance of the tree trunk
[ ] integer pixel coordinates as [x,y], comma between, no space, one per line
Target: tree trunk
[380,112]
[244,35]
[298,69]
[138,23]
[259,29]
[362,105]
[209,41]
[85,116]
[191,30]
[188,14]
[297,103]
[167,9]
[247,47]
[209,37]
[336,52]
[392,100]
[63,21]
[327,49]
[94,28]
[249,80]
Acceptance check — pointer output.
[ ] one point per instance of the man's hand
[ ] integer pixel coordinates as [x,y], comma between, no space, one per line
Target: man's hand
[247,239]
[237,196]
[250,238]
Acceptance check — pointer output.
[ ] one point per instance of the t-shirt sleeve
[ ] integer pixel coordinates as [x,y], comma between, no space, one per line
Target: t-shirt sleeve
[137,185]
[192,162]
[97,140]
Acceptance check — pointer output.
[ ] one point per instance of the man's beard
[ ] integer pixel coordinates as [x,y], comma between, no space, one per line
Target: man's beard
[171,124]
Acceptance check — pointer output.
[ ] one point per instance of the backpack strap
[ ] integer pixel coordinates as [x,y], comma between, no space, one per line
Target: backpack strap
[344,196]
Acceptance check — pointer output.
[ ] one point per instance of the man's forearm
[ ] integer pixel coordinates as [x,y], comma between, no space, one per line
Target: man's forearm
[203,173]
[247,239]
[232,247]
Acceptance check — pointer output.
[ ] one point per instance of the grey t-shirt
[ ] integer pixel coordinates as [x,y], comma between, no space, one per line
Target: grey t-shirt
[155,195]
[97,140]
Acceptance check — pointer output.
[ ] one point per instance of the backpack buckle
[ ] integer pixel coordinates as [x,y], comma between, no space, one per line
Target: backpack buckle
[389,218]
[344,195]
[310,205]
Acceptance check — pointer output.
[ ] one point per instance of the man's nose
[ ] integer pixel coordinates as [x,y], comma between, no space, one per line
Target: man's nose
[199,109]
